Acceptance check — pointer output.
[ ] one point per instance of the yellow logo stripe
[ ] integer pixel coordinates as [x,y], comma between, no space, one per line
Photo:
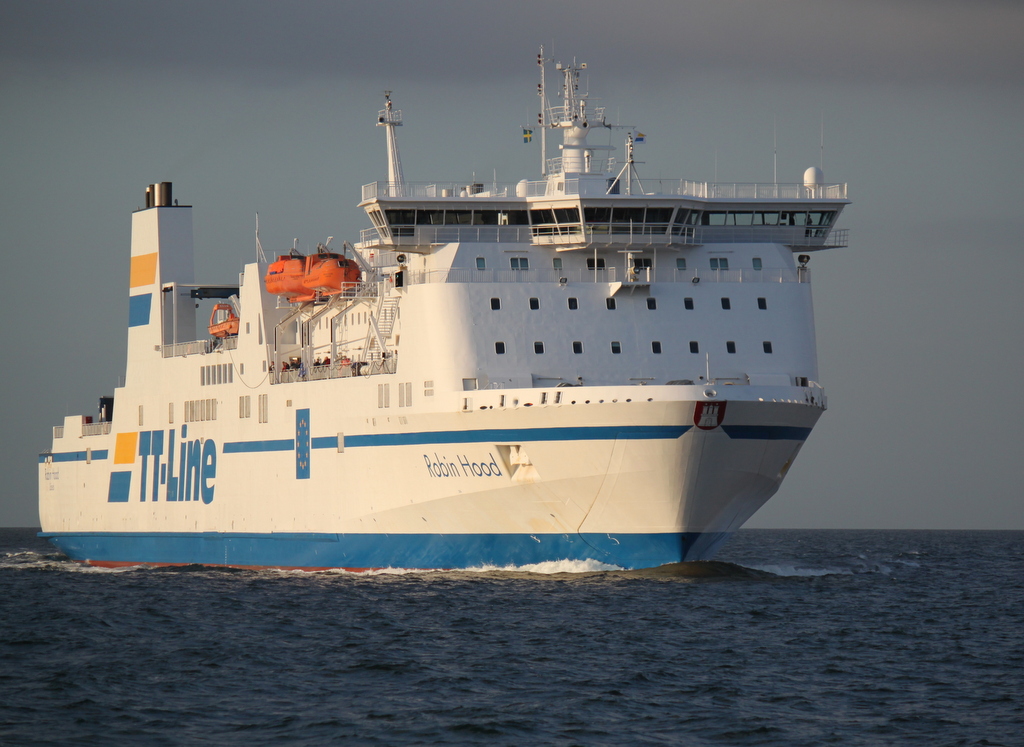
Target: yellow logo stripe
[125,447]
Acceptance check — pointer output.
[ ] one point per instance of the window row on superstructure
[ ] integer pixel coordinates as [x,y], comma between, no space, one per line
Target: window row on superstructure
[500,348]
[573,303]
[633,220]
[639,263]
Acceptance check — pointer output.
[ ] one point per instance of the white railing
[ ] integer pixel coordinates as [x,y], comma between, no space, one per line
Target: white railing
[376,365]
[96,429]
[58,431]
[614,235]
[641,276]
[571,186]
[198,347]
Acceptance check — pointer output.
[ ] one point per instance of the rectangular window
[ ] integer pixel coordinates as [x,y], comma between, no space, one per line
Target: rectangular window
[688,304]
[757,263]
[600,263]
[719,263]
[534,304]
[244,406]
[499,348]
[468,385]
[170,413]
[694,347]
[767,346]
[730,347]
[481,263]
[538,348]
[616,347]
[495,304]
[652,303]
[642,263]
[680,263]
[610,303]
[762,303]
[556,263]
[574,303]
[656,347]
[726,303]
[264,409]
[577,347]
[520,263]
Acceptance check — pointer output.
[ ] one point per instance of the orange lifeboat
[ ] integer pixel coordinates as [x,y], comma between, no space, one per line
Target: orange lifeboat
[223,321]
[330,274]
[284,277]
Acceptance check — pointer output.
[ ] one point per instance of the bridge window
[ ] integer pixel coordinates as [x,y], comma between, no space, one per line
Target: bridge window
[767,346]
[519,263]
[600,263]
[719,263]
[694,347]
[534,304]
[730,347]
[726,304]
[610,303]
[458,217]
[616,347]
[762,303]
[495,304]
[499,348]
[577,347]
[656,347]
[556,263]
[652,303]
[688,304]
[481,263]
[574,303]
[680,263]
[538,348]
[757,263]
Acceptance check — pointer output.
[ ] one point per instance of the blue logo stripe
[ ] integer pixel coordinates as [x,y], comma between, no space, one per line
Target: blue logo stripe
[138,309]
[72,456]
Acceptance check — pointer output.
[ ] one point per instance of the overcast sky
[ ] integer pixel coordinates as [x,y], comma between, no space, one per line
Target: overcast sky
[270,107]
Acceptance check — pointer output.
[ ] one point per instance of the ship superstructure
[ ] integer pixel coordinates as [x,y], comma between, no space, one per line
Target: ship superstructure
[589,366]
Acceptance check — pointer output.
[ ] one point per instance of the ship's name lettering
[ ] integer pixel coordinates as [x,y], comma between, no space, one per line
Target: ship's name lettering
[461,466]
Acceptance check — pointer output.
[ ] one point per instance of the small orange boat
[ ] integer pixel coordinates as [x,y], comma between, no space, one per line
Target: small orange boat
[223,321]
[284,277]
[330,273]
[300,278]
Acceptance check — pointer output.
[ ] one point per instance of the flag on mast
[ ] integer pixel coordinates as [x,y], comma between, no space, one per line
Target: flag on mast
[527,134]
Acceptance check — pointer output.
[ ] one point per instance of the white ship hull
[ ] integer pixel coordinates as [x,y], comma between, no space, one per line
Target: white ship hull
[576,368]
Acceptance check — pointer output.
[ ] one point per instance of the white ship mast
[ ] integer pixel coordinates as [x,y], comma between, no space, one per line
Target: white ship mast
[574,120]
[390,119]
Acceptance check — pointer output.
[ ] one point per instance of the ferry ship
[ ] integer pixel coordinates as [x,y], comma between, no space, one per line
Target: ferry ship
[589,366]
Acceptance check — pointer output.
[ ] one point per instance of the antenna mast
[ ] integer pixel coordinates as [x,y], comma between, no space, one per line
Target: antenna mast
[390,119]
[542,117]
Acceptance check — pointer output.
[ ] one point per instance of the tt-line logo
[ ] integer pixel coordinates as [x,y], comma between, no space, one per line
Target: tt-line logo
[196,466]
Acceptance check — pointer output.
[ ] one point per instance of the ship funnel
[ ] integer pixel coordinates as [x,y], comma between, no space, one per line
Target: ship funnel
[158,195]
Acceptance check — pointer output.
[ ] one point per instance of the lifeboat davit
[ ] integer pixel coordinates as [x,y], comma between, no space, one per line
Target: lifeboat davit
[285,275]
[223,321]
[330,274]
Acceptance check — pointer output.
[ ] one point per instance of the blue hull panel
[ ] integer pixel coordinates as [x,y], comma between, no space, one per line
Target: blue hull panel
[364,551]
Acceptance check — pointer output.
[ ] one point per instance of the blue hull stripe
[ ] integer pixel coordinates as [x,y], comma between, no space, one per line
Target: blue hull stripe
[767,432]
[361,551]
[238,447]
[492,435]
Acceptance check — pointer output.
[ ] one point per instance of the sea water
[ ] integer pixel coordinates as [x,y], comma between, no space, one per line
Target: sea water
[787,638]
